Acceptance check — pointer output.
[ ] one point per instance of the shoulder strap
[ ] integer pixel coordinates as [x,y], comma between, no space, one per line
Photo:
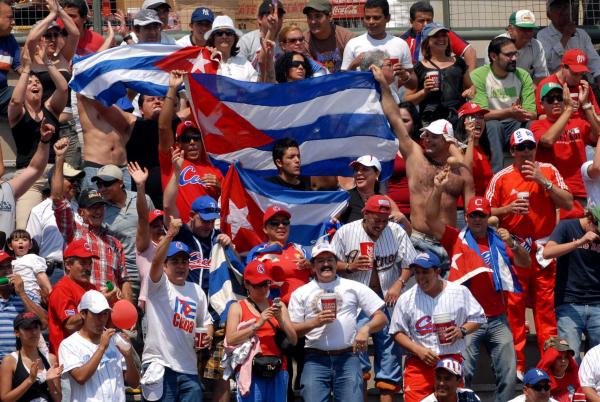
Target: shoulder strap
[260,311]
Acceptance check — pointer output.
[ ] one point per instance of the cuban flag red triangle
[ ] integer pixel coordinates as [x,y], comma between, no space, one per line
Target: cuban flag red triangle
[194,59]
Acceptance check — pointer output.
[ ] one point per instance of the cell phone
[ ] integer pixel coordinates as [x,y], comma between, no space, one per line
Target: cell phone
[277,300]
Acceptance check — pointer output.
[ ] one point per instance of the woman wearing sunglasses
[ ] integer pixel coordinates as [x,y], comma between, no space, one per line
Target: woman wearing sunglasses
[292,66]
[257,318]
[223,40]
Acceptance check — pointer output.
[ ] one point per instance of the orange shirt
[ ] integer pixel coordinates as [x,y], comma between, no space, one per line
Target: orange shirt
[541,218]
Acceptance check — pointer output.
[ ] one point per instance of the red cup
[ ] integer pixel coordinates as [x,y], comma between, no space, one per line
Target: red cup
[368,248]
[441,322]
[435,77]
[329,302]
[199,335]
[394,61]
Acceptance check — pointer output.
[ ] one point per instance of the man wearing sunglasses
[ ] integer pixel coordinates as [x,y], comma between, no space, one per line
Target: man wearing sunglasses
[536,387]
[481,259]
[563,135]
[575,243]
[525,196]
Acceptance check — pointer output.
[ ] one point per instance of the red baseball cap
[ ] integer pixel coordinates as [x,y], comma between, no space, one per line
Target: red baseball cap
[79,248]
[470,108]
[258,272]
[154,214]
[5,256]
[275,210]
[479,204]
[576,60]
[184,126]
[378,204]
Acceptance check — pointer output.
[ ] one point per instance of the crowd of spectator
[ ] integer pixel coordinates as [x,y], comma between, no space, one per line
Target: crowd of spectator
[493,207]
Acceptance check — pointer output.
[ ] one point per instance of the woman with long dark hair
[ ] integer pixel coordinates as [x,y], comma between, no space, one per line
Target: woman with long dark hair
[292,66]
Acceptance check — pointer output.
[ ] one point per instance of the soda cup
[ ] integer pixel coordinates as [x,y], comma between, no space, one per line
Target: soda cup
[575,99]
[119,340]
[435,77]
[523,195]
[394,61]
[329,302]
[368,248]
[199,334]
[441,322]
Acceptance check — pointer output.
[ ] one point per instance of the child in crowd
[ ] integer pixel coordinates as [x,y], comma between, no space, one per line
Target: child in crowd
[31,267]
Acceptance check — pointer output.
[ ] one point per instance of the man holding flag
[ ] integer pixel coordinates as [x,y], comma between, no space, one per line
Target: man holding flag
[482,260]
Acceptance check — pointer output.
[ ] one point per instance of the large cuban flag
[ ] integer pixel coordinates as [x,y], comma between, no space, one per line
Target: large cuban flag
[334,118]
[245,196]
[144,68]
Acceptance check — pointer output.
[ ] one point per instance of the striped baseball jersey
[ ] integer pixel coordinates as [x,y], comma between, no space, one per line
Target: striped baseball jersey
[413,315]
[9,308]
[393,251]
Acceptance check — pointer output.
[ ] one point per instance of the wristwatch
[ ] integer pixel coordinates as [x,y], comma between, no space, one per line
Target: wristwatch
[548,185]
[463,331]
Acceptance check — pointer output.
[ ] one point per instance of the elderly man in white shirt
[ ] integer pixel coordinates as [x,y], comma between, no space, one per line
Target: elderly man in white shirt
[562,34]
[589,374]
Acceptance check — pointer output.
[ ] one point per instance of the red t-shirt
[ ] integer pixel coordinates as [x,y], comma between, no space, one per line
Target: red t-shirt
[481,285]
[62,304]
[190,182]
[266,333]
[482,171]
[541,218]
[89,42]
[554,78]
[568,152]
[397,186]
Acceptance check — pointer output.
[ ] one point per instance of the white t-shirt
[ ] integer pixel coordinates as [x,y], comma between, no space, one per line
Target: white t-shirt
[592,186]
[185,41]
[173,312]
[28,266]
[413,315]
[238,68]
[393,251]
[394,46]
[107,383]
[589,370]
[351,297]
[463,394]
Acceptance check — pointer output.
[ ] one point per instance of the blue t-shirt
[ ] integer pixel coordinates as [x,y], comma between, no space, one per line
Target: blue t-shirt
[10,57]
[9,309]
[577,274]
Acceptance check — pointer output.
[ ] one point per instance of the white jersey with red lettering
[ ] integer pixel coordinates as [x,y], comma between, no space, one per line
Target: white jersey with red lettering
[414,312]
[393,251]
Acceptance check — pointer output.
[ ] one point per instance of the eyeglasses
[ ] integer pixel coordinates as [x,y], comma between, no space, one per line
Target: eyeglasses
[188,138]
[261,285]
[477,214]
[525,145]
[223,33]
[297,63]
[540,387]
[101,183]
[294,40]
[510,55]
[553,98]
[276,224]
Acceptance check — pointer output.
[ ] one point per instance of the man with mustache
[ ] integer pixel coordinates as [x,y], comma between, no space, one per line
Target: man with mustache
[507,92]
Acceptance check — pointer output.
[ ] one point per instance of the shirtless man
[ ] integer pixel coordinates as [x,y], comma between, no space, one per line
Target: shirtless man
[422,164]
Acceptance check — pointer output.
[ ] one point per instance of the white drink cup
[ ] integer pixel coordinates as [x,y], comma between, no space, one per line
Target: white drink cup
[199,334]
[524,195]
[329,302]
[435,77]
[441,322]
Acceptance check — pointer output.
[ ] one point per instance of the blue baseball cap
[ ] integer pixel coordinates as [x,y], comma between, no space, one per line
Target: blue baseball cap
[535,375]
[426,260]
[203,14]
[432,28]
[206,207]
[177,247]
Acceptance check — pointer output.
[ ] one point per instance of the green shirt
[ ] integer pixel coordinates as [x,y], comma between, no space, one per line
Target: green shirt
[494,93]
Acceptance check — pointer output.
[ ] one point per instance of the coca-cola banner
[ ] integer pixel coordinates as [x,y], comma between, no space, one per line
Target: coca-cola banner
[348,10]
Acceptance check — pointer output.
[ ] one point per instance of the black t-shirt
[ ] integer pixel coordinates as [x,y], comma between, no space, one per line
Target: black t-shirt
[578,272]
[26,134]
[304,184]
[353,211]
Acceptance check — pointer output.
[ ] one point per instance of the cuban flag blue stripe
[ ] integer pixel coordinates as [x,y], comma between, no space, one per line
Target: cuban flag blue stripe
[225,285]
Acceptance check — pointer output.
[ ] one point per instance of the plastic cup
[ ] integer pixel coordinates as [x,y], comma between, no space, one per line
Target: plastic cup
[394,61]
[575,98]
[329,302]
[441,322]
[120,341]
[523,195]
[199,334]
[368,248]
[435,77]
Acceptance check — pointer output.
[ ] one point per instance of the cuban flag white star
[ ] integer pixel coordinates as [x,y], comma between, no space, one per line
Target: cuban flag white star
[198,63]
[208,123]
[238,218]
[455,257]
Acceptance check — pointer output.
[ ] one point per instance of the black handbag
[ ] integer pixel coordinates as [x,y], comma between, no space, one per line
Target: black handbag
[266,366]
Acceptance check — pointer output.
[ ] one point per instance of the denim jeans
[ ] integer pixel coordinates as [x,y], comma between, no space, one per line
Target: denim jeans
[179,387]
[267,389]
[498,133]
[575,319]
[341,375]
[387,353]
[498,340]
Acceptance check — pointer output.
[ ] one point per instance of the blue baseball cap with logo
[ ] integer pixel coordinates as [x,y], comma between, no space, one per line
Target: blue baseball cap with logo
[535,375]
[426,260]
[206,207]
[203,14]
[177,247]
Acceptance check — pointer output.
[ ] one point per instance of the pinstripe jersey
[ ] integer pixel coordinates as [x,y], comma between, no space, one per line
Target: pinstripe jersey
[393,251]
[9,309]
[414,311]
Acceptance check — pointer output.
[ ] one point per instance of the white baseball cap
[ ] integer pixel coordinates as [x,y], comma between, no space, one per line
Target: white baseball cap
[441,127]
[93,301]
[368,161]
[323,247]
[151,4]
[522,135]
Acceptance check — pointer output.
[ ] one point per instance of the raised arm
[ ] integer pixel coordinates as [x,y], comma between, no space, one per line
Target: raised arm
[39,29]
[110,38]
[70,47]
[139,176]
[265,61]
[16,106]
[165,119]
[119,119]
[549,138]
[561,197]
[432,209]
[58,100]
[83,373]
[158,261]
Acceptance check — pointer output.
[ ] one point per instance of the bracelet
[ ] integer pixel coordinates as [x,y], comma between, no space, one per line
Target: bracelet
[587,106]
[45,142]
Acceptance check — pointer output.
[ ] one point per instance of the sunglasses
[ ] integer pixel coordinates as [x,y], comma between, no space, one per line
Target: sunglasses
[73,179]
[553,98]
[297,63]
[101,183]
[525,145]
[477,214]
[276,224]
[188,138]
[540,387]
[261,285]
[294,40]
[223,33]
